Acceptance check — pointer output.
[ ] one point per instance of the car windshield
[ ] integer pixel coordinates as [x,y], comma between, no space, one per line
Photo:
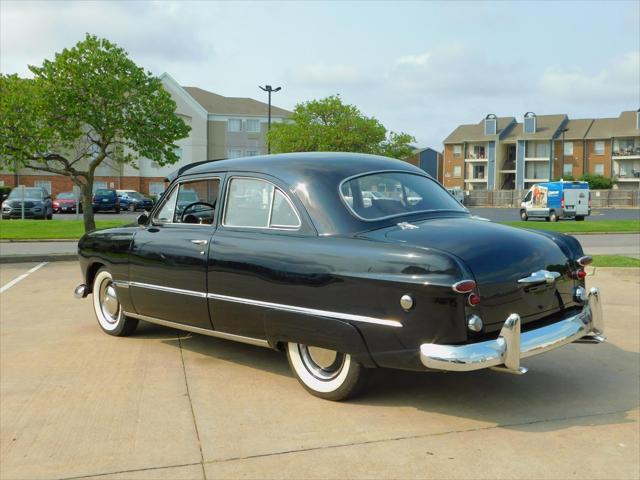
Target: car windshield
[188,196]
[105,193]
[32,193]
[135,195]
[66,196]
[388,194]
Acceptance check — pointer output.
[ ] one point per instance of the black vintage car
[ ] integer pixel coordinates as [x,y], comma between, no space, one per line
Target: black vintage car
[346,262]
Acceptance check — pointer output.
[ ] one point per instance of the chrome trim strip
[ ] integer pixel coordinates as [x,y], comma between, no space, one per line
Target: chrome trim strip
[121,283]
[211,333]
[276,306]
[168,289]
[309,311]
[506,351]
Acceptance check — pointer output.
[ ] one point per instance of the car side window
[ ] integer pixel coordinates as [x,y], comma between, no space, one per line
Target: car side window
[256,203]
[527,197]
[191,202]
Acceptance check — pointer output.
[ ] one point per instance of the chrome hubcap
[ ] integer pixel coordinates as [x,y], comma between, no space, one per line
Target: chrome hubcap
[109,302]
[321,363]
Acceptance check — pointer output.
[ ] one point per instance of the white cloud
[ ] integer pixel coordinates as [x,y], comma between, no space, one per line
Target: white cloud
[618,81]
[326,75]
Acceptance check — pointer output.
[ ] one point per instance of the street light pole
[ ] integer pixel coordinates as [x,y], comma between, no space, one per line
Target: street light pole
[269,89]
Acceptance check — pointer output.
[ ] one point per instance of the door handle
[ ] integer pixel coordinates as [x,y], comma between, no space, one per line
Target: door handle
[199,242]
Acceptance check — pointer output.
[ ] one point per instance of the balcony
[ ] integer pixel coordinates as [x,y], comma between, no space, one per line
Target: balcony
[628,153]
[474,158]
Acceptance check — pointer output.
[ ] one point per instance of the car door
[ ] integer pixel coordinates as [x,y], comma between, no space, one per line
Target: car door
[249,258]
[168,266]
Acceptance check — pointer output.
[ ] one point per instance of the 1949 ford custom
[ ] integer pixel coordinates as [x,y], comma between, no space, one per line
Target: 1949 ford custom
[345,261]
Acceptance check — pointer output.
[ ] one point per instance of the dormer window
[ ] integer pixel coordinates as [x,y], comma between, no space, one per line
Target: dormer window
[490,124]
[529,122]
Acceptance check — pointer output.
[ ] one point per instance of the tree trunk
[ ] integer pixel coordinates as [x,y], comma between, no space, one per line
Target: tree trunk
[87,206]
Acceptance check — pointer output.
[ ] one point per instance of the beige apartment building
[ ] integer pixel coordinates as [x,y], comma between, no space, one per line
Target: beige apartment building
[500,153]
[221,127]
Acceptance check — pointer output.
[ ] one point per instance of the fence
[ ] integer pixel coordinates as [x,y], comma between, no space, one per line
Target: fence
[512,198]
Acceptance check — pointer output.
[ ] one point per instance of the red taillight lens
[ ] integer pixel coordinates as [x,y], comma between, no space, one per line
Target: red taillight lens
[562,201]
[581,274]
[584,261]
[464,286]
[474,299]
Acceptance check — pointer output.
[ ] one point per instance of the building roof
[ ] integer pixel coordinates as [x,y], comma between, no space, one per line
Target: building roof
[623,126]
[577,129]
[546,128]
[220,105]
[475,132]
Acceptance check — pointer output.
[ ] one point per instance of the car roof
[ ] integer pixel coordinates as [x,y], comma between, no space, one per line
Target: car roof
[313,178]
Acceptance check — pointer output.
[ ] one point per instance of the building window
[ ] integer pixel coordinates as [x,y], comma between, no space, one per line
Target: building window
[457,150]
[567,169]
[253,126]
[99,186]
[46,184]
[599,169]
[598,148]
[457,171]
[568,148]
[478,172]
[251,153]
[537,150]
[156,189]
[479,152]
[234,153]
[234,125]
[536,171]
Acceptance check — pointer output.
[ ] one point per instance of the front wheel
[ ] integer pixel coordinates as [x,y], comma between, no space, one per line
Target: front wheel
[553,217]
[107,307]
[326,373]
[523,215]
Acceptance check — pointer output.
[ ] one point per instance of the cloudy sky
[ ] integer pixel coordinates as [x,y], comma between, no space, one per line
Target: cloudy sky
[419,67]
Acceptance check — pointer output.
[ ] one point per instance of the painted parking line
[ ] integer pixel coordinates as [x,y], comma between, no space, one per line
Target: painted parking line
[21,277]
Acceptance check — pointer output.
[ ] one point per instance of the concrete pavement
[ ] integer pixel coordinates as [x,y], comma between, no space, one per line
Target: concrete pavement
[513,214]
[611,244]
[76,402]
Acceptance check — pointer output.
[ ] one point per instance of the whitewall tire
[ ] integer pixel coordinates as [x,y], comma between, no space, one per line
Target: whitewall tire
[325,373]
[107,307]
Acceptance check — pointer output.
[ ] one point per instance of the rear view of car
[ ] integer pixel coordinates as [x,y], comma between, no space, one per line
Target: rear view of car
[36,200]
[67,202]
[106,200]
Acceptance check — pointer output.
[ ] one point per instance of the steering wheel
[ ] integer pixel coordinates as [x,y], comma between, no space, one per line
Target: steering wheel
[187,217]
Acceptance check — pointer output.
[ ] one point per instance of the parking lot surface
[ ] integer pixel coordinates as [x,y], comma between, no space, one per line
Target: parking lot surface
[76,402]
[513,214]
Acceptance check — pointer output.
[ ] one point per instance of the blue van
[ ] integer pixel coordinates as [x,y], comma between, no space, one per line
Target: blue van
[555,200]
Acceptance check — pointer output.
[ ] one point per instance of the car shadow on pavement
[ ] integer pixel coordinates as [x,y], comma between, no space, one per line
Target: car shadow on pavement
[574,386]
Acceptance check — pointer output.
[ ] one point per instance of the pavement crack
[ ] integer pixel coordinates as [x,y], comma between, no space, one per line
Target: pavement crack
[193,413]
[413,437]
[132,470]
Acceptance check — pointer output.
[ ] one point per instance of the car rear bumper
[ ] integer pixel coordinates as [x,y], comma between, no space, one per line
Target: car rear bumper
[505,352]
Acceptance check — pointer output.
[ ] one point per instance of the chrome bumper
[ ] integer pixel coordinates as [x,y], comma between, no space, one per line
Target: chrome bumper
[505,352]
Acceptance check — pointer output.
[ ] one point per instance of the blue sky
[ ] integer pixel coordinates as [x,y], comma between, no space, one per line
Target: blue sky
[419,67]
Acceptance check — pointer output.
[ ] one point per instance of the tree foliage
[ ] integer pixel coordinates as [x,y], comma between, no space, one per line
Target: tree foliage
[330,125]
[89,104]
[596,182]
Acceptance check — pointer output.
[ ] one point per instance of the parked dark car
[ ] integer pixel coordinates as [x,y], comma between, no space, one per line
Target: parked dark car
[105,200]
[67,202]
[282,252]
[37,203]
[133,201]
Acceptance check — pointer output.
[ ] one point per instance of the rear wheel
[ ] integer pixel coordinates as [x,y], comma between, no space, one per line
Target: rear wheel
[523,215]
[553,216]
[107,307]
[326,373]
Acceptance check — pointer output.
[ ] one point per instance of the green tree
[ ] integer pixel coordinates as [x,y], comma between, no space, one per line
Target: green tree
[597,182]
[90,103]
[330,125]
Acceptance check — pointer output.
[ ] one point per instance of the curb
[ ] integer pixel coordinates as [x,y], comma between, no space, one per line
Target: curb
[45,257]
[36,240]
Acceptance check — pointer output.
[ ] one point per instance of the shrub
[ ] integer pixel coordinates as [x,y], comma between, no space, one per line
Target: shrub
[597,182]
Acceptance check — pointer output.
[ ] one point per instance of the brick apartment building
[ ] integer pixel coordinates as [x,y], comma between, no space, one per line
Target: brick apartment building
[221,127]
[500,153]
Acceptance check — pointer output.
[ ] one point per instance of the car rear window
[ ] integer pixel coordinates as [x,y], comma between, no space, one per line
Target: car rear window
[32,193]
[105,193]
[381,195]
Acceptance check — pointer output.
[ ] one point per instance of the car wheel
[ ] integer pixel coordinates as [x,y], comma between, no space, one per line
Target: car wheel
[325,373]
[553,217]
[579,219]
[523,215]
[117,210]
[107,307]
[132,208]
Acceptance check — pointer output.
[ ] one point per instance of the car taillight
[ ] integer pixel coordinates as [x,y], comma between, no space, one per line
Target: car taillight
[579,274]
[464,286]
[473,299]
[562,201]
[93,198]
[584,261]
[589,199]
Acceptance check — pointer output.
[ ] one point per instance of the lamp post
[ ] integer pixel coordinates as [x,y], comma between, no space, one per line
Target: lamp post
[269,89]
